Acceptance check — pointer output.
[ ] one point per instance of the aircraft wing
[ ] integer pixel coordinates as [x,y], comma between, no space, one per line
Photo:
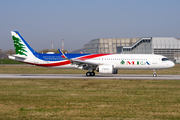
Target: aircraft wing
[85,64]
[78,62]
[81,62]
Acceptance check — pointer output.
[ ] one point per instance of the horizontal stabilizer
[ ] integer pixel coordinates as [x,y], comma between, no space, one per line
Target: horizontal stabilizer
[17,57]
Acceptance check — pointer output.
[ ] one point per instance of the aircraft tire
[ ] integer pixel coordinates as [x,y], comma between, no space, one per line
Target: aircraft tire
[88,74]
[154,75]
[92,73]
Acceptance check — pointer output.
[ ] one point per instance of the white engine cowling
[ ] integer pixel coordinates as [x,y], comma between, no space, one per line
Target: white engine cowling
[106,69]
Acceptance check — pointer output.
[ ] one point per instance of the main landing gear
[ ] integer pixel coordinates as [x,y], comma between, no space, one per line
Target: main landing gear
[154,73]
[90,73]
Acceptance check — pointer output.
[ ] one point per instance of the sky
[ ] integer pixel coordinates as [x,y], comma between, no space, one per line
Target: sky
[79,21]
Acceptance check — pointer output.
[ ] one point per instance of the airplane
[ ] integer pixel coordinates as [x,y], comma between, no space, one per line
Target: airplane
[102,63]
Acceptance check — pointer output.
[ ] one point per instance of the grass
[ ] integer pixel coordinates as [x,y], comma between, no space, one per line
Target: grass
[89,99]
[41,70]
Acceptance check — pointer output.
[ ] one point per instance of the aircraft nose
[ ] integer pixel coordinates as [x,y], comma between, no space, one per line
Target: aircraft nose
[171,64]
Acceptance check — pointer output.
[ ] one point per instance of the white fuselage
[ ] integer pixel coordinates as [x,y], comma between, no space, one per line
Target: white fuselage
[134,61]
[119,61]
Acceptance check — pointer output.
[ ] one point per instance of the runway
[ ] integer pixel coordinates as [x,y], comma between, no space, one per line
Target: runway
[83,76]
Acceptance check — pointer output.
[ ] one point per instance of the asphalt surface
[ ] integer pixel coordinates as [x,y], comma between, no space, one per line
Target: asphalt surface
[83,76]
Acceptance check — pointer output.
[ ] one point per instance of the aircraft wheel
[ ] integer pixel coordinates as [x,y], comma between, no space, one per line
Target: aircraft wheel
[92,73]
[88,74]
[154,75]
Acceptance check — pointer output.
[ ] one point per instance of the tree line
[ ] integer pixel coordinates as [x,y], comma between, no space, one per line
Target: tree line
[3,54]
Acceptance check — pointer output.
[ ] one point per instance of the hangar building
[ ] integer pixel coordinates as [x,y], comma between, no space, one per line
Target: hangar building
[167,46]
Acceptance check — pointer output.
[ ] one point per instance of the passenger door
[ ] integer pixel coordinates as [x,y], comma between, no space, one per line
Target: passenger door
[154,61]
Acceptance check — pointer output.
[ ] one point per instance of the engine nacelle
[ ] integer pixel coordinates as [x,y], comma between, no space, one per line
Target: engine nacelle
[106,69]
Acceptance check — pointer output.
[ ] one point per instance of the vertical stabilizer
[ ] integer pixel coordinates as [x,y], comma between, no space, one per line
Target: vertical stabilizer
[21,46]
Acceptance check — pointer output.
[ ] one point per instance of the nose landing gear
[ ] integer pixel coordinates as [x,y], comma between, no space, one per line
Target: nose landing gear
[154,73]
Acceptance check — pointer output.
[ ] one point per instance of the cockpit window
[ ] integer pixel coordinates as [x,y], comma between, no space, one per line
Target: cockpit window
[165,59]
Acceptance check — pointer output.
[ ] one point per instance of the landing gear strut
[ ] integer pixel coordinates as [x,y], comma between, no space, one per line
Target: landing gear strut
[90,73]
[154,73]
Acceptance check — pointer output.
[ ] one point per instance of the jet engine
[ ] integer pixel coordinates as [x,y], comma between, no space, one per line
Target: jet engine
[107,69]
